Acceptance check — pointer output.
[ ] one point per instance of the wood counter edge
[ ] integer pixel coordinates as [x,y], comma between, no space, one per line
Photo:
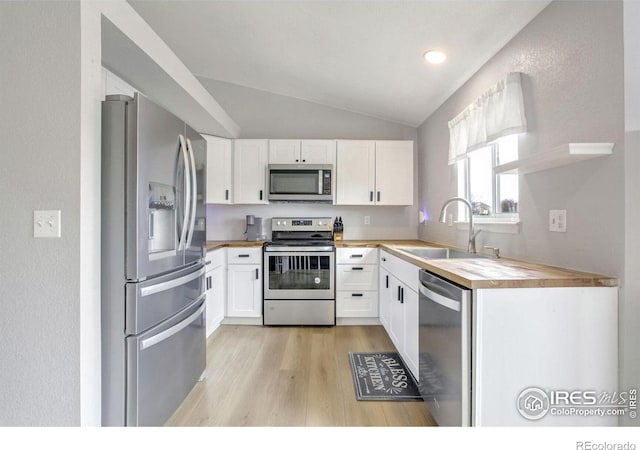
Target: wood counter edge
[216,245]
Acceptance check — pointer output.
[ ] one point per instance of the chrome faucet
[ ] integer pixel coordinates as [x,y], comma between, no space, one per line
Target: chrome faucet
[471,246]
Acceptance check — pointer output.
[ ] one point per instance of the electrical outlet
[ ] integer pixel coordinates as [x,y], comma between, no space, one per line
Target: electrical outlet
[46,224]
[558,220]
[367,220]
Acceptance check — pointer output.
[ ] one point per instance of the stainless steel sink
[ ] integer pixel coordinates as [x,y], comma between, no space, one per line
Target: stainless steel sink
[439,253]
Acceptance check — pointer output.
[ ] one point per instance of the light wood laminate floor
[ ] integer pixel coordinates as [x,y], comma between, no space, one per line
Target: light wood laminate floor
[290,376]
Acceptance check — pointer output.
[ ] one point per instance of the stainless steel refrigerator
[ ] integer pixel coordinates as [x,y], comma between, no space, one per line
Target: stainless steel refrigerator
[153,230]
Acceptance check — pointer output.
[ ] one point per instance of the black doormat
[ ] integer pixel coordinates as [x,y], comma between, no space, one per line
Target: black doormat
[382,376]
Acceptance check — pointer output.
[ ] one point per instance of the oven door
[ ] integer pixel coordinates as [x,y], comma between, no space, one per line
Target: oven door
[299,274]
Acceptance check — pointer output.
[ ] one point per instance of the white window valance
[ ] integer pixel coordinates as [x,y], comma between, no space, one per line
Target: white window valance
[498,112]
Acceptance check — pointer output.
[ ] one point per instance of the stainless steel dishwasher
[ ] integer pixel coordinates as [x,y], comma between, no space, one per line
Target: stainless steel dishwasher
[445,349]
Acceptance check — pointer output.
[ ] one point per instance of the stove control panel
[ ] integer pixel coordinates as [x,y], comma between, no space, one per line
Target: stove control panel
[301,224]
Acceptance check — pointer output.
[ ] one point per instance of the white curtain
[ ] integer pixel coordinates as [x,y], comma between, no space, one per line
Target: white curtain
[498,112]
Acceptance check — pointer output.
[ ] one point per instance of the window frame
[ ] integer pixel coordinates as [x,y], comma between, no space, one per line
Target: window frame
[496,216]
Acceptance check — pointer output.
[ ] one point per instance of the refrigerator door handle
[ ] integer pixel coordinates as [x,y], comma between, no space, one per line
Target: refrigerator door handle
[187,196]
[166,334]
[154,289]
[194,193]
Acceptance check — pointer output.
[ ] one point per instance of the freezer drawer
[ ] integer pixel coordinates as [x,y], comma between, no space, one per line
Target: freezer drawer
[163,365]
[150,302]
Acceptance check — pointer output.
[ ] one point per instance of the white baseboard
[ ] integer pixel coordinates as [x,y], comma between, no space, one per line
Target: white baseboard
[242,321]
[341,321]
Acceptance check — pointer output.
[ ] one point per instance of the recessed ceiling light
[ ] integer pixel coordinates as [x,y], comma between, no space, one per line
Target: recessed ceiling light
[435,56]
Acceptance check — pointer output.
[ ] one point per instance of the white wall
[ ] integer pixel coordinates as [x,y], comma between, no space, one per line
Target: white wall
[571,55]
[40,278]
[630,304]
[264,115]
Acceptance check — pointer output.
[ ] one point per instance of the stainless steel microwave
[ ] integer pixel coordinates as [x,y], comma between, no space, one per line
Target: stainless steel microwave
[300,183]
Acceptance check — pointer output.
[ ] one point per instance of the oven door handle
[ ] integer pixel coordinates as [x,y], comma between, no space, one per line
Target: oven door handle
[296,250]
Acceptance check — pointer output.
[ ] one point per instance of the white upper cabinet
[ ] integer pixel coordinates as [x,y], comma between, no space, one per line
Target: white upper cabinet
[374,173]
[284,151]
[318,151]
[355,173]
[249,171]
[394,172]
[295,151]
[219,170]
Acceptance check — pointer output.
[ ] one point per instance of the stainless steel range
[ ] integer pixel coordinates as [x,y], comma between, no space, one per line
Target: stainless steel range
[299,272]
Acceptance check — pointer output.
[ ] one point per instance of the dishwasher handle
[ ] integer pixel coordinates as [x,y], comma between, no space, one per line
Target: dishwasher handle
[427,290]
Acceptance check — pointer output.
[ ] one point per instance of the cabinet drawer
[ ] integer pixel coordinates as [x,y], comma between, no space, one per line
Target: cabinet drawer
[215,258]
[357,256]
[244,255]
[357,304]
[357,277]
[401,269]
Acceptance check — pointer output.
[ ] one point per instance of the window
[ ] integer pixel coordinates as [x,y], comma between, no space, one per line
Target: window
[492,195]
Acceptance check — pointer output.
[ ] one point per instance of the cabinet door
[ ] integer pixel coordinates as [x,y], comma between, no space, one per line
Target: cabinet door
[355,173]
[318,151]
[244,287]
[384,292]
[284,151]
[396,316]
[249,171]
[410,306]
[219,170]
[215,281]
[357,304]
[356,277]
[394,172]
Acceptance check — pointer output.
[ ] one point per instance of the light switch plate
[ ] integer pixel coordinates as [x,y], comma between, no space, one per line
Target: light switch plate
[367,220]
[46,224]
[558,220]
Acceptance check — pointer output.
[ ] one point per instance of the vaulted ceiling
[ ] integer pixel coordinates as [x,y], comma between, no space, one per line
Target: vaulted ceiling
[360,56]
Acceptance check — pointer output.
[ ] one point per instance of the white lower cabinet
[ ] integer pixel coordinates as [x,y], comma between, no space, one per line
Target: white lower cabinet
[244,282]
[215,283]
[356,283]
[399,306]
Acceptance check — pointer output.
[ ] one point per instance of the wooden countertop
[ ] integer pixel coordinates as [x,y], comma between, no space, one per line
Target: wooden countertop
[489,273]
[473,273]
[214,245]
